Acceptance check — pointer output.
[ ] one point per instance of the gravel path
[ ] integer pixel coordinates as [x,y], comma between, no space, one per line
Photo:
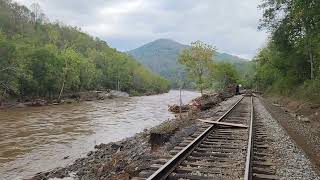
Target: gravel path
[290,160]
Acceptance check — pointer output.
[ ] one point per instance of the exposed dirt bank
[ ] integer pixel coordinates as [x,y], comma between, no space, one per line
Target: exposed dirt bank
[301,120]
[126,158]
[289,161]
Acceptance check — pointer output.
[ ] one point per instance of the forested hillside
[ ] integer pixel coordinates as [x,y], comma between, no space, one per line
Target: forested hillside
[290,63]
[43,59]
[161,56]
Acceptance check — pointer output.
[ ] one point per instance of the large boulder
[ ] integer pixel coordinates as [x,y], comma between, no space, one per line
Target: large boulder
[118,94]
[89,95]
[37,102]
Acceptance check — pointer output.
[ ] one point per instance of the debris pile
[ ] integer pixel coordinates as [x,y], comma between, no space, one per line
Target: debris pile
[176,108]
[207,101]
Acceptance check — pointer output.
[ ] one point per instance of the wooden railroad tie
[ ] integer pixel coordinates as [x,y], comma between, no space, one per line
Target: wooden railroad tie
[224,123]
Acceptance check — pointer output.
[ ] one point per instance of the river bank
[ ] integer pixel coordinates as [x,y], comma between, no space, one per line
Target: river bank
[70,98]
[126,158]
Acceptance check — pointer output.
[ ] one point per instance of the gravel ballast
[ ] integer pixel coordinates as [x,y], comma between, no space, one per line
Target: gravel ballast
[290,160]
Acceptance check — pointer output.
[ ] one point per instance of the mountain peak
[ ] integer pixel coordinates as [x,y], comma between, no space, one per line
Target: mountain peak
[164,40]
[161,56]
[161,43]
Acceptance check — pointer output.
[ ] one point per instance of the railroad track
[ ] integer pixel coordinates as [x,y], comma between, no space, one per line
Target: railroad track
[224,149]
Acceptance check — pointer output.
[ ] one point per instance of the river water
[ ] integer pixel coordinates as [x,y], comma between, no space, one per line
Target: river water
[37,139]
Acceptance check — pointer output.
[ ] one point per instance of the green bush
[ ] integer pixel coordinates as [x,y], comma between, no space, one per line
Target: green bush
[309,90]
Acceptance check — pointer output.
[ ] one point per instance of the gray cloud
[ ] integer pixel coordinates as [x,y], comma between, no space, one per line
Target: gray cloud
[231,26]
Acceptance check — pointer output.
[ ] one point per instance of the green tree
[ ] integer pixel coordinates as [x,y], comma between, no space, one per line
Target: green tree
[223,75]
[39,58]
[46,70]
[197,60]
[71,70]
[295,24]
[8,67]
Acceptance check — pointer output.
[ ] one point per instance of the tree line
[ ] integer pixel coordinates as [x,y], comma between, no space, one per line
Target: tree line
[204,71]
[39,58]
[290,62]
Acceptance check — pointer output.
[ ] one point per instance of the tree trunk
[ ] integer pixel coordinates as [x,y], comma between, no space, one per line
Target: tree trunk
[61,90]
[309,50]
[180,99]
[311,66]
[63,82]
[200,81]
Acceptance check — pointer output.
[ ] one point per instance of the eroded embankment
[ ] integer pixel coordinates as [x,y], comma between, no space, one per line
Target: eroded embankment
[287,160]
[126,158]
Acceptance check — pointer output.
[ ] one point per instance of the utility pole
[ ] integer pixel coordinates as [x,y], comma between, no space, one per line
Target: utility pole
[180,95]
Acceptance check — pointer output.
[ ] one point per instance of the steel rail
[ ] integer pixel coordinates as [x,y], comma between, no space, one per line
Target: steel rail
[164,171]
[248,168]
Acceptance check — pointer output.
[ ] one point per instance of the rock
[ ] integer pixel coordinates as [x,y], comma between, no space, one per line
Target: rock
[315,106]
[116,146]
[69,101]
[104,95]
[90,153]
[157,139]
[89,95]
[118,94]
[20,105]
[122,176]
[277,105]
[37,102]
[66,157]
[303,119]
[176,108]
[101,170]
[293,114]
[100,146]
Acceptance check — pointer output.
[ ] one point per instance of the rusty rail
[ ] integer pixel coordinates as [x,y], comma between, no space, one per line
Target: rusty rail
[248,169]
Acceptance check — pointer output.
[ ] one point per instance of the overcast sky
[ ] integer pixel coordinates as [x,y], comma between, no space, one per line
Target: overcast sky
[229,25]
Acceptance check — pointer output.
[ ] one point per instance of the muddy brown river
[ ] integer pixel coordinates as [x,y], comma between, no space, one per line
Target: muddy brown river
[37,139]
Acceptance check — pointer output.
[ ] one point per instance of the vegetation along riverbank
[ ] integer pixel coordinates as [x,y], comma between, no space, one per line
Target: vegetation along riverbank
[40,59]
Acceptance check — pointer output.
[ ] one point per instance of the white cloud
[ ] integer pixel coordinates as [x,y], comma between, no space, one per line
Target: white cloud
[229,25]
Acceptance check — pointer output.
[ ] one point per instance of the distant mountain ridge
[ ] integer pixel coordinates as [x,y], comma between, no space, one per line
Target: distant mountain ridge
[161,56]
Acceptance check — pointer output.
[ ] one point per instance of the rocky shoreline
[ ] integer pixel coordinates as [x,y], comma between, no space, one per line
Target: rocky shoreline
[71,98]
[125,159]
[66,99]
